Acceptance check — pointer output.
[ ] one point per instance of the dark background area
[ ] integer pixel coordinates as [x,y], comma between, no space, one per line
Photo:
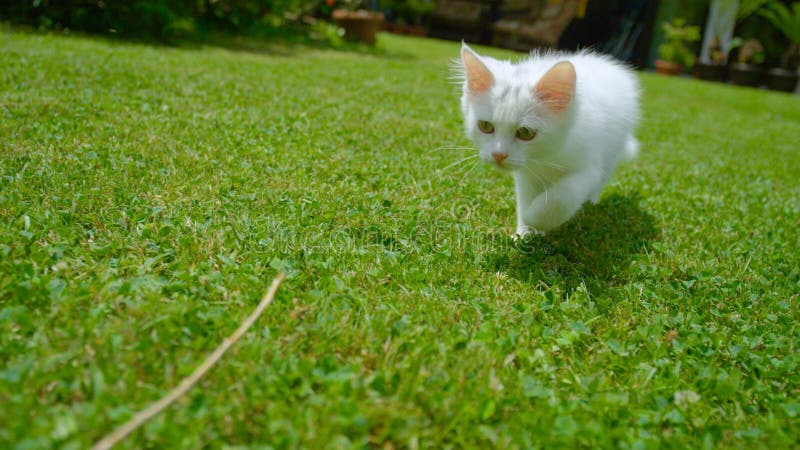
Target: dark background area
[628,29]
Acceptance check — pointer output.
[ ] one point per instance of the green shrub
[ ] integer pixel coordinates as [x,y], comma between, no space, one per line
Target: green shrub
[787,20]
[677,37]
[162,20]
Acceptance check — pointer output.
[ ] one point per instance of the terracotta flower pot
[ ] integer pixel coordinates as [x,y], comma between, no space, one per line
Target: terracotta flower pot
[746,74]
[359,25]
[781,80]
[668,68]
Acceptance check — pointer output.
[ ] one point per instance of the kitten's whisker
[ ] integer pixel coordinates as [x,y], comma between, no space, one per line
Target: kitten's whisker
[548,163]
[544,185]
[475,164]
[458,162]
[451,147]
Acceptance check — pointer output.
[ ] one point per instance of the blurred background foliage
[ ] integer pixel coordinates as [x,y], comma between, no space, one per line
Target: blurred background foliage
[612,26]
[172,21]
[167,21]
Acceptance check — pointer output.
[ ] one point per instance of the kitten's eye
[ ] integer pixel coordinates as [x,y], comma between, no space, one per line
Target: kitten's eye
[525,133]
[485,126]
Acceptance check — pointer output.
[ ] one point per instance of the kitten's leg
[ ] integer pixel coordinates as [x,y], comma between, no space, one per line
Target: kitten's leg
[527,189]
[631,147]
[563,200]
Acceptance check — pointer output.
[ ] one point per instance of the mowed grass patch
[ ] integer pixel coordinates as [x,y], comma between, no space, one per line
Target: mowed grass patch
[148,196]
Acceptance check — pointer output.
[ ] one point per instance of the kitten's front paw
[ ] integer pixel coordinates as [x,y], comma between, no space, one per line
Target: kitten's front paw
[544,215]
[528,240]
[524,230]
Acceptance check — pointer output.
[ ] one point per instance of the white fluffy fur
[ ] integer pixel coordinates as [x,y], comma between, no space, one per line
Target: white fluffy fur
[575,152]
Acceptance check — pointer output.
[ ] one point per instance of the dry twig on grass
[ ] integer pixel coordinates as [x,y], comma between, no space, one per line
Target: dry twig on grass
[148,413]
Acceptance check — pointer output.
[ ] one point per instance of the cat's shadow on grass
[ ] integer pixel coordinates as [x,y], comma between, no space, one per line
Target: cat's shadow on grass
[595,248]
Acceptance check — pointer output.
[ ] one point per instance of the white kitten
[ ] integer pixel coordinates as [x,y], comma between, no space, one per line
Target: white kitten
[559,122]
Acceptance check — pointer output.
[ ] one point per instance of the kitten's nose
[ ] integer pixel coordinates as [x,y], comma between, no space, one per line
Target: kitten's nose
[499,157]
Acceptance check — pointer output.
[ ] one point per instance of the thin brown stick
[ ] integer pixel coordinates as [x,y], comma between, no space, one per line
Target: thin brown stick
[146,414]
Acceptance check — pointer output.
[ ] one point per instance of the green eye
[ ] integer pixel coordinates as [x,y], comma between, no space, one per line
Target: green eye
[485,126]
[525,133]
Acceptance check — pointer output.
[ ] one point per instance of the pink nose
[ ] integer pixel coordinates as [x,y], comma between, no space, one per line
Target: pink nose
[499,157]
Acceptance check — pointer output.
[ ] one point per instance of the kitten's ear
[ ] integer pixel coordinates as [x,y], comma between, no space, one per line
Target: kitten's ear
[557,87]
[479,78]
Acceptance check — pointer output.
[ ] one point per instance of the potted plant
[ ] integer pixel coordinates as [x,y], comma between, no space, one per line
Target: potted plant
[745,71]
[722,19]
[358,23]
[714,69]
[788,22]
[674,54]
[710,65]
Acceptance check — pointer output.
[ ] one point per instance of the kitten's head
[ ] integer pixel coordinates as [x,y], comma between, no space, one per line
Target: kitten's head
[512,115]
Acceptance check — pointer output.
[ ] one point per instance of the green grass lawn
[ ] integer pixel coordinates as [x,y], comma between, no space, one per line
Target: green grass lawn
[149,195]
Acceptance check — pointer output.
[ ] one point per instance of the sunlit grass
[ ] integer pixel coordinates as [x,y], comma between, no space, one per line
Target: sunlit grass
[148,196]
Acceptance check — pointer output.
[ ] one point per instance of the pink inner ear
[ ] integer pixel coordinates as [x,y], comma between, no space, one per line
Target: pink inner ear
[479,79]
[557,86]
